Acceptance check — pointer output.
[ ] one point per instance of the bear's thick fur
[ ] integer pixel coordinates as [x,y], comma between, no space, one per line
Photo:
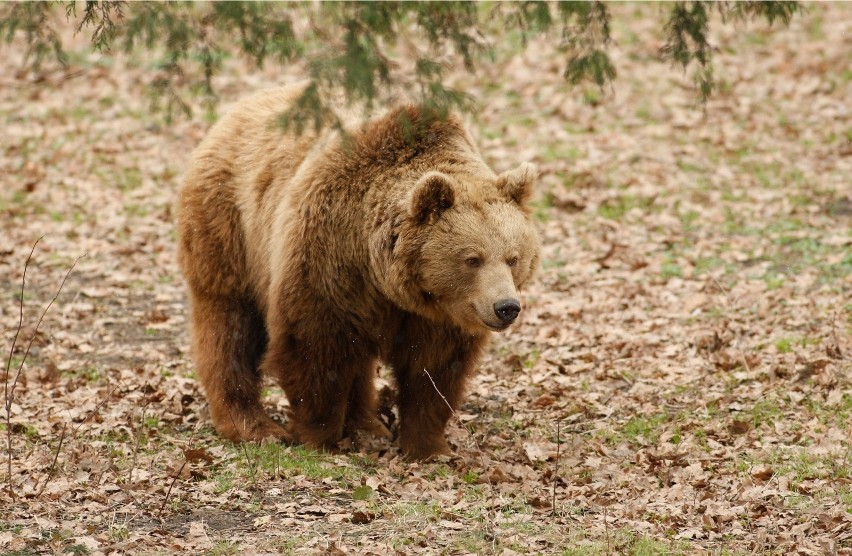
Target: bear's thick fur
[313,257]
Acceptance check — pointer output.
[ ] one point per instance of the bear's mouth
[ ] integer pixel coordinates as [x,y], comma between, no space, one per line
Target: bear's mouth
[497,327]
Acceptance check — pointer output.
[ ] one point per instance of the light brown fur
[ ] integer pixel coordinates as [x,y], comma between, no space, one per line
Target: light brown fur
[313,257]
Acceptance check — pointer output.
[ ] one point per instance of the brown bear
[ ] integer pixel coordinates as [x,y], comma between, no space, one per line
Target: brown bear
[312,257]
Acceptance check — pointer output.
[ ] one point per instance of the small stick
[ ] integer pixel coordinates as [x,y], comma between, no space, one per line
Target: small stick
[97,408]
[136,447]
[249,461]
[556,467]
[838,351]
[9,391]
[62,438]
[55,459]
[478,449]
[179,471]
[727,296]
[18,331]
[435,386]
[169,492]
[7,394]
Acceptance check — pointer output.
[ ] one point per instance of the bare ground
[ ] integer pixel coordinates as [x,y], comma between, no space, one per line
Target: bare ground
[680,382]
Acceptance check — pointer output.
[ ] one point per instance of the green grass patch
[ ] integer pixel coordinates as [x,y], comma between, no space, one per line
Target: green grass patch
[151,422]
[136,210]
[223,548]
[799,465]
[617,207]
[277,459]
[670,268]
[784,345]
[542,206]
[223,482]
[703,265]
[844,494]
[773,280]
[647,428]
[470,477]
[765,412]
[644,112]
[118,532]
[592,96]
[19,552]
[560,152]
[628,543]
[690,167]
[839,414]
[130,179]
[88,374]
[530,360]
[689,219]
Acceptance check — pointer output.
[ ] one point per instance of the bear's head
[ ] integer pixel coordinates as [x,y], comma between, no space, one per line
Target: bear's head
[463,247]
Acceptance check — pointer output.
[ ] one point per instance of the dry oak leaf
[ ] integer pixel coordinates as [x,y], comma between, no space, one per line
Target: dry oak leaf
[197,454]
[739,427]
[540,451]
[497,475]
[362,518]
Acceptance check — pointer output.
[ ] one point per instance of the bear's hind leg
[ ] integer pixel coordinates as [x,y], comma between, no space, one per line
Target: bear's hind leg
[228,339]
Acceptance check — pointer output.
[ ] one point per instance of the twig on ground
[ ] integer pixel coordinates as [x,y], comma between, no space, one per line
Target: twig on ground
[73,433]
[136,446]
[743,358]
[251,464]
[834,351]
[9,390]
[169,492]
[491,529]
[177,475]
[556,467]
[472,436]
[92,412]
[55,459]
[7,395]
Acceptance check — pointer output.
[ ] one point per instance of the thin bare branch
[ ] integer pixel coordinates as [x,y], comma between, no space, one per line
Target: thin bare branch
[95,410]
[38,325]
[6,397]
[55,459]
[9,391]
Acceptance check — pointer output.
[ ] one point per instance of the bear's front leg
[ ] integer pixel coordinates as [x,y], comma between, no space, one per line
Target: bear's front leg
[319,374]
[363,411]
[432,364]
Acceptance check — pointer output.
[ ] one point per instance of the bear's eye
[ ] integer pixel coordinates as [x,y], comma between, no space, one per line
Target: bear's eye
[512,261]
[473,262]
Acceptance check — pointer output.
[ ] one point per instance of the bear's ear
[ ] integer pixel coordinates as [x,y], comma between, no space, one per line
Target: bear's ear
[517,184]
[432,194]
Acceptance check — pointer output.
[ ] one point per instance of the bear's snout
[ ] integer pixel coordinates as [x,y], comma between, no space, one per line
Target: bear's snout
[507,310]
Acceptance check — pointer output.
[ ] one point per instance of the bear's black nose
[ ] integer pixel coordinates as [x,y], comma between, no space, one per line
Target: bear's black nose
[507,310]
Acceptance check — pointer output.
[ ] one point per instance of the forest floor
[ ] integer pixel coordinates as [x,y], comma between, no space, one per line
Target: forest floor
[680,383]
